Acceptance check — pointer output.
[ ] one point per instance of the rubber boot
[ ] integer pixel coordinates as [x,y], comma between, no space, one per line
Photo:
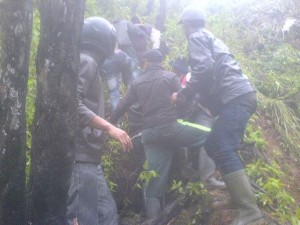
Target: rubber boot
[212,182]
[243,198]
[153,207]
[206,168]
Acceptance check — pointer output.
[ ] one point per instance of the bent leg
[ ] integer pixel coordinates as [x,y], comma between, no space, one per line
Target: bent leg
[159,159]
[226,136]
[187,134]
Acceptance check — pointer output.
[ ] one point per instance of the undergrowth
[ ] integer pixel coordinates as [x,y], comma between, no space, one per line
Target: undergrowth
[272,192]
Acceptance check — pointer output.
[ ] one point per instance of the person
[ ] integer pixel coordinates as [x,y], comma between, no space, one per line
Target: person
[201,162]
[153,34]
[117,64]
[162,133]
[227,92]
[180,66]
[131,39]
[134,38]
[89,199]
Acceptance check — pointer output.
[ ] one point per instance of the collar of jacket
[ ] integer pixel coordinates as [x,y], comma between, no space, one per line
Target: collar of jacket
[154,67]
[194,30]
[100,60]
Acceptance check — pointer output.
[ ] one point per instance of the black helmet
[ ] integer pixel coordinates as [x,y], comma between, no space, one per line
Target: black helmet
[99,34]
[192,13]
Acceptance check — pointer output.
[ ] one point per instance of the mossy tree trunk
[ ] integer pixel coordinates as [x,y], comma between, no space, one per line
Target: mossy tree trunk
[16,28]
[55,120]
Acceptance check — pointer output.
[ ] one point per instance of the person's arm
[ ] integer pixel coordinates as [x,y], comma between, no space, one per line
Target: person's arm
[201,63]
[129,99]
[114,132]
[89,118]
[86,73]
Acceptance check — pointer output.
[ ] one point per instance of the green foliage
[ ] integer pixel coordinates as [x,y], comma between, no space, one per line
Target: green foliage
[254,134]
[177,187]
[119,9]
[284,120]
[108,163]
[278,71]
[193,195]
[192,192]
[271,63]
[145,176]
[272,192]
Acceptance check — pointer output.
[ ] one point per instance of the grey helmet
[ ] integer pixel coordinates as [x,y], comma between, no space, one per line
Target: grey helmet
[98,34]
[192,13]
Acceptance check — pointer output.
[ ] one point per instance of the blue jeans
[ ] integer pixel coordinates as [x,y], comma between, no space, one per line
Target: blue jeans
[160,144]
[228,131]
[113,83]
[89,198]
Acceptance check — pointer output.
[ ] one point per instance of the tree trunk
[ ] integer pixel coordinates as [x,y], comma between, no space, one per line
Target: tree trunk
[55,120]
[161,18]
[16,27]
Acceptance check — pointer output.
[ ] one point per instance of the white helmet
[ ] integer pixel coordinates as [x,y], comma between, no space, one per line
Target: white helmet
[192,13]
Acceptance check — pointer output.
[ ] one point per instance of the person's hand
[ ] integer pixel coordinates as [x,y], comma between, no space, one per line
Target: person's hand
[120,136]
[173,98]
[75,221]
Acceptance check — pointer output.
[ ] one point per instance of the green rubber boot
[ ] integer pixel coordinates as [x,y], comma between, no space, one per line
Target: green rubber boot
[243,198]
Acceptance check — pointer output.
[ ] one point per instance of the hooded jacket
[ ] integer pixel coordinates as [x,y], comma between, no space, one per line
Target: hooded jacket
[90,100]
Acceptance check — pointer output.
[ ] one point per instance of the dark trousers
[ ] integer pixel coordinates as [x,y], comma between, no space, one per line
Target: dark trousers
[228,131]
[161,142]
[89,198]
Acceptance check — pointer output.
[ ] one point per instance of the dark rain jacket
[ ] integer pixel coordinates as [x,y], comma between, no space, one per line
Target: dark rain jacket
[152,91]
[90,103]
[215,74]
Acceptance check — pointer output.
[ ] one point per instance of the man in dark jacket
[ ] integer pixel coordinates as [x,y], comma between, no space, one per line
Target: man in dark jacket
[227,92]
[162,133]
[89,199]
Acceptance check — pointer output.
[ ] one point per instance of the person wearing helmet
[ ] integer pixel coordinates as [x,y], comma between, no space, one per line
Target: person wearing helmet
[228,94]
[89,199]
[162,133]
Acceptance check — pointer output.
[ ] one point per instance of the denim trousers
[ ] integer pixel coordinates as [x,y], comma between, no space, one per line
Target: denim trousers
[113,83]
[89,198]
[228,131]
[160,144]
